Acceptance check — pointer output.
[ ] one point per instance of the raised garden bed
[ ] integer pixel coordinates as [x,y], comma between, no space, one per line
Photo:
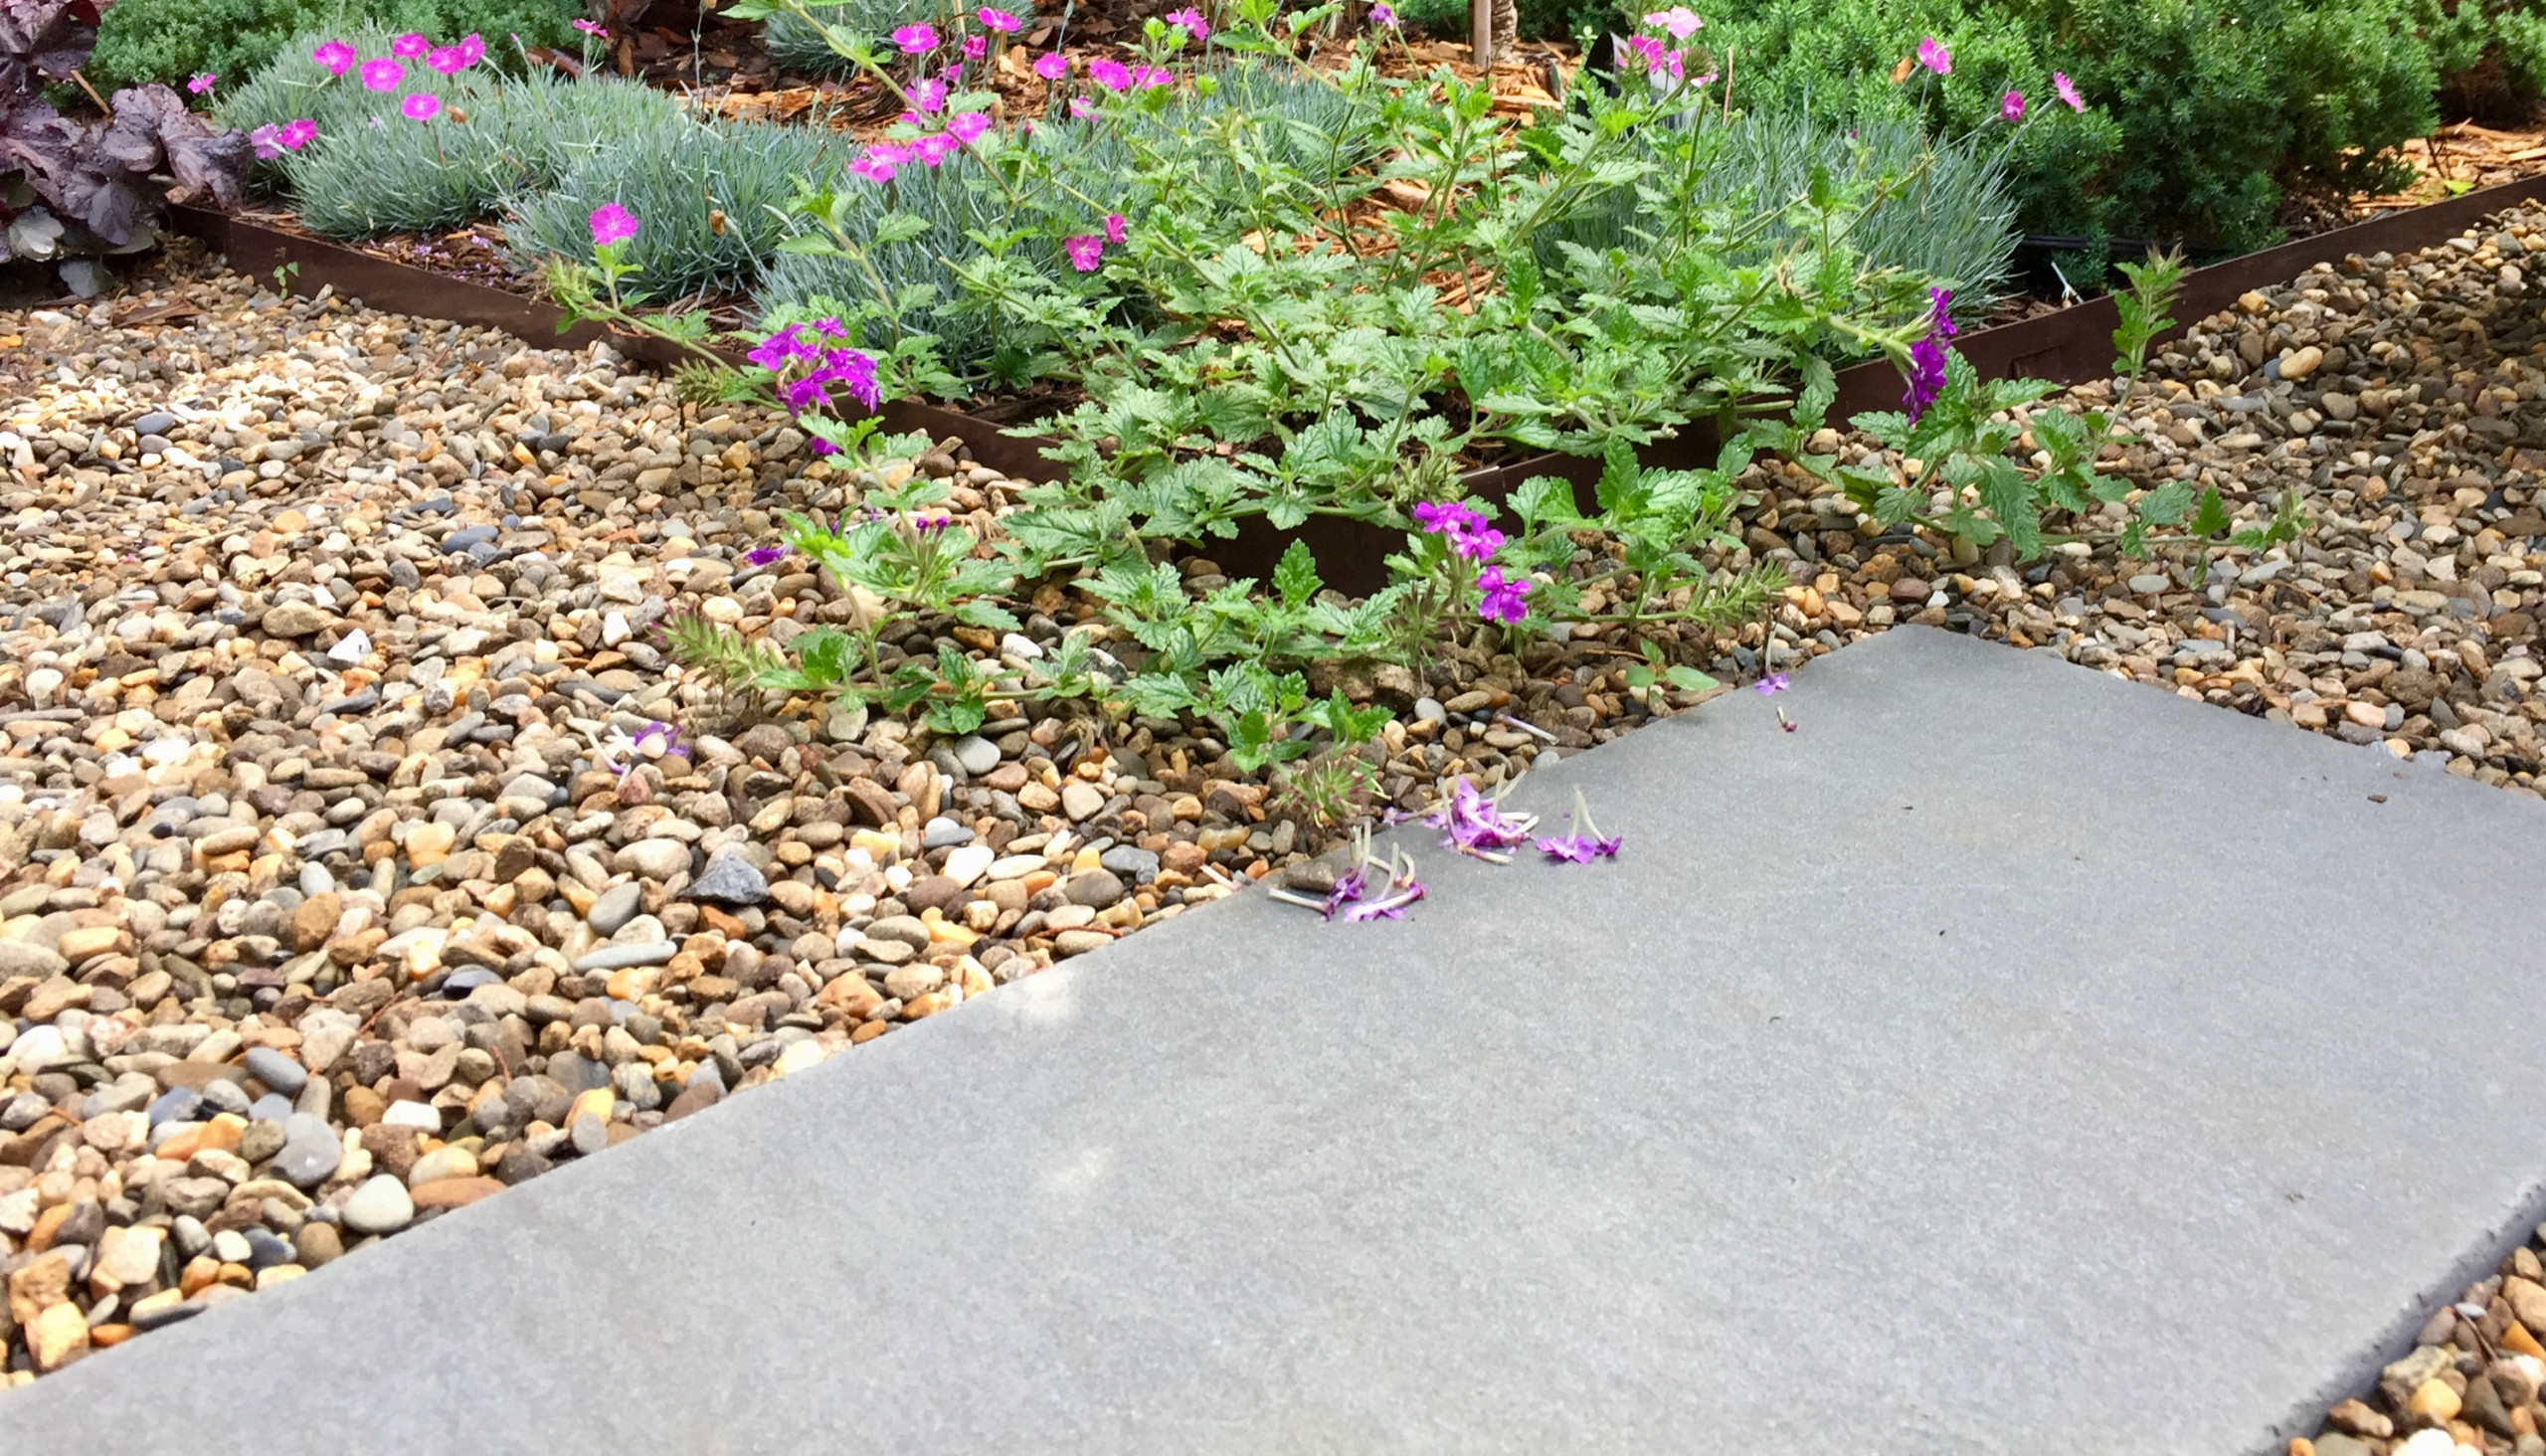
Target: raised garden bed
[2070,346]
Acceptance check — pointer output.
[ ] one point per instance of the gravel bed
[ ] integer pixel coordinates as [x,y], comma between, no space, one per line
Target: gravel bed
[2470,1384]
[321,912]
[2401,398]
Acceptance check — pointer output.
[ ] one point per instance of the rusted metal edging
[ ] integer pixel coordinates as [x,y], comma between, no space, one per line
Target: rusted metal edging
[2071,346]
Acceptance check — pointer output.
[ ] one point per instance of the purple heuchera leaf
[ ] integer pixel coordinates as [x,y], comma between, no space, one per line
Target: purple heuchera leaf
[47,38]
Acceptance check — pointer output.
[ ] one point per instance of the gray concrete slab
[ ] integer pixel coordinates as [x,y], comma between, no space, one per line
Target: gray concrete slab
[2009,1060]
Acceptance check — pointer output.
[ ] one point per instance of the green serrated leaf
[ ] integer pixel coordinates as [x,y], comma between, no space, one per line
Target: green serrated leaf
[2166,505]
[1295,576]
[2209,515]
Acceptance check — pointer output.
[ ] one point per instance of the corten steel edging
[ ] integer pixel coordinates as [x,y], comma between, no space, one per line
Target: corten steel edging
[399,288]
[2075,344]
[2068,347]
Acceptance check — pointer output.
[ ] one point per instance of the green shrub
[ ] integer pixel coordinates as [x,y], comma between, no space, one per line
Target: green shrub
[172,39]
[371,171]
[678,180]
[2201,110]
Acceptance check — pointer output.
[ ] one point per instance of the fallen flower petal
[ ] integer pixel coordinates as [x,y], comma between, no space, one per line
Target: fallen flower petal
[1774,682]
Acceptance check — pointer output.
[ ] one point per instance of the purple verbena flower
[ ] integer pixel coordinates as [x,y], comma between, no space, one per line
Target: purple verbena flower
[1503,599]
[1391,906]
[1586,843]
[1927,357]
[664,735]
[1471,823]
[1774,682]
[765,556]
[1382,16]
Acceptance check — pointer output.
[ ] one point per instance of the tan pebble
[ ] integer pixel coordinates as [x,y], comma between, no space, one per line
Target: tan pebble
[59,1336]
[2434,1400]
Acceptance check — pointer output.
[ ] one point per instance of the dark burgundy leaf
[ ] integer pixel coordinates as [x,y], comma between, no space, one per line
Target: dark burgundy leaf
[49,38]
[62,162]
[154,130]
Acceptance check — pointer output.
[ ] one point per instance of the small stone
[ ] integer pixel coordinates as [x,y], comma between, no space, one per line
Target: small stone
[729,880]
[966,864]
[2433,1399]
[1081,800]
[380,1206]
[319,1244]
[656,859]
[1095,888]
[311,1152]
[978,755]
[617,906]
[277,1070]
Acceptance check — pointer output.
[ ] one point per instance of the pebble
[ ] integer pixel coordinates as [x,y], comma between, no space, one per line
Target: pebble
[379,1205]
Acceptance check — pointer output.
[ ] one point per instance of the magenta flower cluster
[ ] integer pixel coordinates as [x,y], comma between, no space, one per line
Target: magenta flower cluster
[809,358]
[1501,597]
[1463,525]
[387,74]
